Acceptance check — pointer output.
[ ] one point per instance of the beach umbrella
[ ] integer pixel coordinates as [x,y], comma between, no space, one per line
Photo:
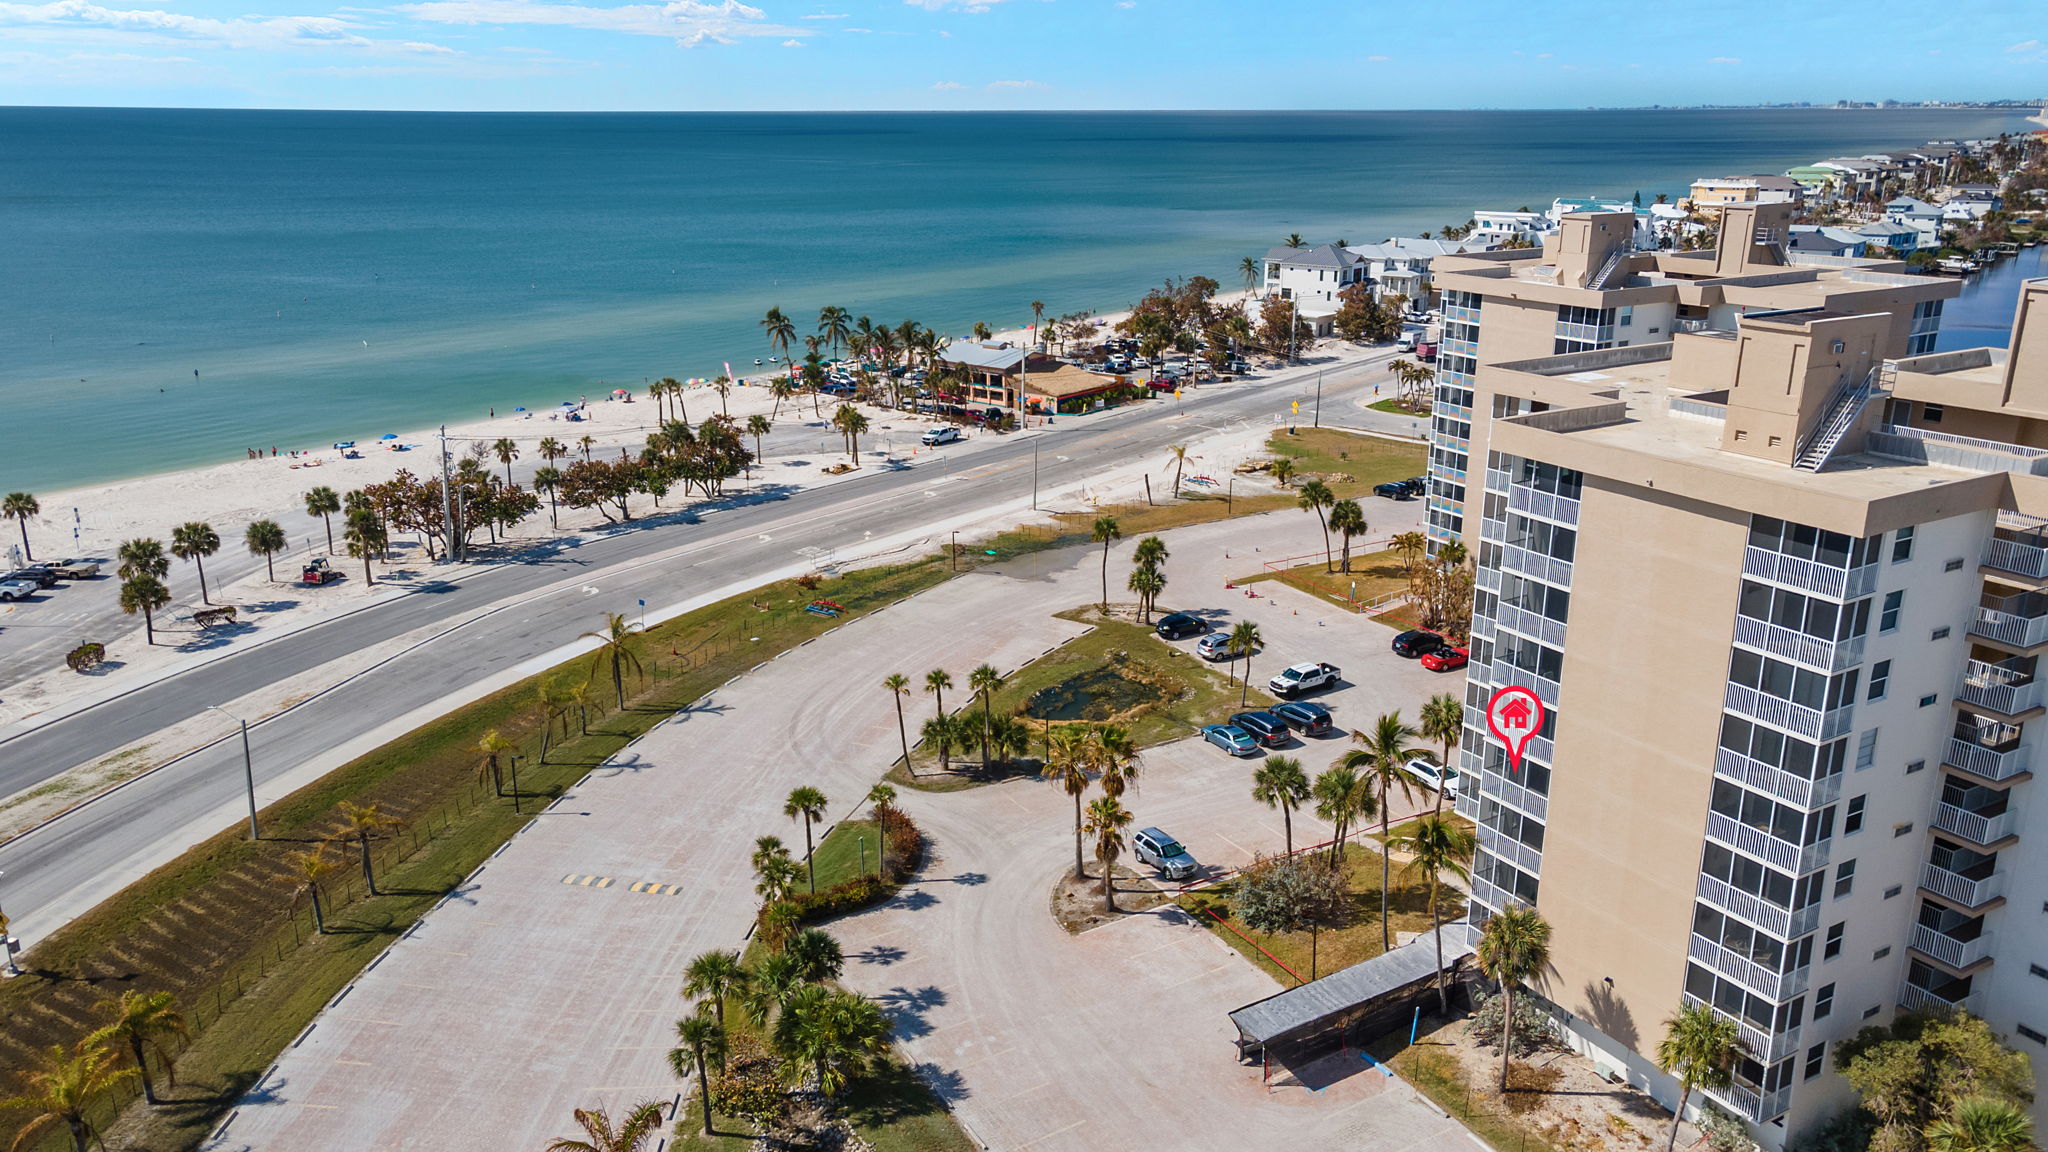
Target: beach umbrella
[618,391]
[388,436]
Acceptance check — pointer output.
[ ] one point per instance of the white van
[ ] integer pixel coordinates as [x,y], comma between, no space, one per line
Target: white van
[1405,342]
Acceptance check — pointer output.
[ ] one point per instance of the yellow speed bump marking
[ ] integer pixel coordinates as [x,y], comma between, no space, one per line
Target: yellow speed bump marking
[582,880]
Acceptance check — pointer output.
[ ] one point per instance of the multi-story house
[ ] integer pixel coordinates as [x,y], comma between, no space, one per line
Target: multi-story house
[1400,266]
[1783,589]
[1314,278]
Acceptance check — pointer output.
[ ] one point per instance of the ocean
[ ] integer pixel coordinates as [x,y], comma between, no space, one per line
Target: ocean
[179,285]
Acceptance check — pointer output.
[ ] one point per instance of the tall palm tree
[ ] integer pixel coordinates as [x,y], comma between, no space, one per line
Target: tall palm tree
[493,745]
[195,540]
[1150,553]
[1314,496]
[782,388]
[851,423]
[142,557]
[757,427]
[1982,1124]
[835,325]
[1700,1047]
[266,538]
[547,480]
[1437,848]
[309,868]
[633,1134]
[1178,453]
[1037,315]
[1280,783]
[1294,240]
[1347,519]
[1148,583]
[1106,822]
[1106,532]
[1443,720]
[829,1036]
[715,975]
[20,506]
[703,1040]
[816,954]
[984,681]
[1341,797]
[936,682]
[585,443]
[1115,758]
[1514,947]
[1066,764]
[141,1021]
[365,536]
[1253,270]
[365,821]
[617,650]
[506,450]
[781,333]
[807,804]
[899,686]
[144,593]
[1244,640]
[1009,737]
[1379,762]
[61,1091]
[551,449]
[324,503]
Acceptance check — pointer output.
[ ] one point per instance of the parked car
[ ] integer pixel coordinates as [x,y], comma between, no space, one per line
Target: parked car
[1437,777]
[76,568]
[1265,727]
[1299,678]
[1405,342]
[944,434]
[1237,367]
[1446,659]
[1231,739]
[1416,485]
[1164,853]
[1393,490]
[1305,717]
[35,574]
[1213,647]
[1418,642]
[1181,624]
[17,589]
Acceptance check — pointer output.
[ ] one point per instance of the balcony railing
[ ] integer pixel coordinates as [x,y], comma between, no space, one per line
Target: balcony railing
[1961,889]
[1790,787]
[1757,911]
[1486,893]
[2021,555]
[1799,647]
[1513,851]
[1508,792]
[1530,502]
[1753,1105]
[1515,558]
[1766,982]
[1531,624]
[1973,827]
[1780,854]
[2010,628]
[1914,998]
[1763,1047]
[2008,687]
[1812,723]
[1586,333]
[1988,763]
[1949,950]
[1808,576]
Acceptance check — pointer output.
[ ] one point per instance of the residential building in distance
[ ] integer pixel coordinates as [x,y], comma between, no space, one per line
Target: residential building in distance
[1783,590]
[1709,195]
[1494,229]
[1313,278]
[1400,266]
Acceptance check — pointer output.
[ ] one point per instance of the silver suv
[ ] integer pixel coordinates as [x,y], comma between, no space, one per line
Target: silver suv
[1164,853]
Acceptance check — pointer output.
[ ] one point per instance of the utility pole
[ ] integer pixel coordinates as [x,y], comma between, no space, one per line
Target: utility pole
[447,501]
[248,768]
[1034,474]
[1319,398]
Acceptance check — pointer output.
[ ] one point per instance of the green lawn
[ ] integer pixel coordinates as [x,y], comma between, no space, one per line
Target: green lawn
[838,858]
[1350,464]
[1397,408]
[1373,575]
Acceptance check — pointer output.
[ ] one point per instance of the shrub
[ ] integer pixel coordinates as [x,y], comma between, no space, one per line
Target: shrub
[809,581]
[1724,1131]
[843,897]
[747,1087]
[86,657]
[903,849]
[1286,894]
[1534,1030]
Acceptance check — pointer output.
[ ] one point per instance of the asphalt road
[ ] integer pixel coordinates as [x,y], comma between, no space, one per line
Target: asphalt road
[64,867]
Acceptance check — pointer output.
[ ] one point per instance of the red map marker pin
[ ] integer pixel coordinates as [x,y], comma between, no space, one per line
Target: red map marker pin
[1515,714]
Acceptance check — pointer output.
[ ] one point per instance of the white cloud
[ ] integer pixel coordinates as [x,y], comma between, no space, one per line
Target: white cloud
[1725,60]
[856,29]
[94,22]
[953,5]
[792,43]
[688,22]
[1544,55]
[1378,59]
[827,16]
[947,86]
[2024,46]
[1127,3]
[1005,85]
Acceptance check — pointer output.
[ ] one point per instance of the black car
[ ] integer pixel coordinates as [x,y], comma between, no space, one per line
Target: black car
[1181,624]
[1416,484]
[35,574]
[1418,642]
[1264,727]
[1307,718]
[1393,490]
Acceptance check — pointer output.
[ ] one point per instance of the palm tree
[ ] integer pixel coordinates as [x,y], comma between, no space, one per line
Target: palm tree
[492,745]
[144,593]
[1282,470]
[782,388]
[1244,640]
[1438,848]
[1115,758]
[781,333]
[1700,1047]
[1178,453]
[1294,240]
[703,1039]
[1037,314]
[1315,496]
[642,1123]
[835,325]
[20,506]
[1254,272]
[757,427]
[936,682]
[365,821]
[266,538]
[1106,822]
[196,540]
[1379,762]
[616,644]
[365,536]
[1148,583]
[1443,720]
[142,557]
[816,955]
[715,975]
[1982,1124]
[551,449]
[942,733]
[1341,797]
[1009,737]
[1280,783]
[1150,553]
[1347,519]
[1106,532]
[776,878]
[506,450]
[851,423]
[61,1091]
[141,1020]
[807,804]
[1513,947]
[309,868]
[324,503]
[984,681]
[829,1036]
[547,479]
[899,686]
[586,442]
[1066,764]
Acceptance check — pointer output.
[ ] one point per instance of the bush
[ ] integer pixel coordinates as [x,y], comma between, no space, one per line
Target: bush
[1724,1131]
[86,657]
[903,849]
[747,1087]
[1286,894]
[1534,1030]
[841,898]
[809,581]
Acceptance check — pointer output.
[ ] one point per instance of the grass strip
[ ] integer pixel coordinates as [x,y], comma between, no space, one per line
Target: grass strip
[1436,1074]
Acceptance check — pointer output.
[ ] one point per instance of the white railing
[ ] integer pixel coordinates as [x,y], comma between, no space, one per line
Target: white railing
[1486,893]
[1798,647]
[1513,851]
[2010,628]
[1961,889]
[1790,787]
[1765,982]
[1781,854]
[1586,333]
[2016,556]
[1763,1047]
[1530,624]
[1756,911]
[1753,1105]
[1682,406]
[1529,502]
[1949,950]
[1813,723]
[1914,998]
[2000,687]
[1991,765]
[1972,827]
[1808,576]
[1513,795]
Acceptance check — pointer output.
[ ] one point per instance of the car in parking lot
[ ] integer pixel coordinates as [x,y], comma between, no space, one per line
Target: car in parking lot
[1236,367]
[1213,647]
[1417,642]
[1298,678]
[1231,739]
[1393,490]
[76,568]
[1446,659]
[1179,625]
[35,574]
[18,589]
[1433,775]
[1416,484]
[1264,727]
[1304,716]
[944,434]
[1164,853]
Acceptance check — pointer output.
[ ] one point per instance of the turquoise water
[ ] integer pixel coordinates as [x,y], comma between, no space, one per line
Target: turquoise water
[337,275]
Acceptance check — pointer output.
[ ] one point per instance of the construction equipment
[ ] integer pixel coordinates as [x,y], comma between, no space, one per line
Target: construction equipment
[316,572]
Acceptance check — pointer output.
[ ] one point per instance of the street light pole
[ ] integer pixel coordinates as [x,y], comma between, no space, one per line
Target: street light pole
[1319,398]
[248,768]
[1034,475]
[515,784]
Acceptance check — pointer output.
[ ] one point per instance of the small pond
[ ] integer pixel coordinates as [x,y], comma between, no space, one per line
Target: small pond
[1096,694]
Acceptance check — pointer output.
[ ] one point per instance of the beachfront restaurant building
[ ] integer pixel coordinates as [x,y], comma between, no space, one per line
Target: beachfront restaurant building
[990,371]
[1068,390]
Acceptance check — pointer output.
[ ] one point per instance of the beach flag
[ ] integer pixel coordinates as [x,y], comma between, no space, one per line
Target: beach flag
[728,371]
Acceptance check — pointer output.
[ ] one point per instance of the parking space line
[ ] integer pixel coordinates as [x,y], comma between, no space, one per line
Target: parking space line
[1051,1134]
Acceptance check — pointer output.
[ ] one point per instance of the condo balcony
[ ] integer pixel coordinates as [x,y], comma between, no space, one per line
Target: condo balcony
[2007,686]
[1821,579]
[1531,502]
[2019,551]
[1756,842]
[1758,912]
[1987,748]
[1974,888]
[1751,1104]
[1949,950]
[1799,647]
[1773,781]
[1761,979]
[1982,816]
[1763,1047]
[1927,989]
[1815,724]
[2019,621]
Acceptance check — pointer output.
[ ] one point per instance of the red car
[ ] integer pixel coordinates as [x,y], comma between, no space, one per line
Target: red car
[1446,659]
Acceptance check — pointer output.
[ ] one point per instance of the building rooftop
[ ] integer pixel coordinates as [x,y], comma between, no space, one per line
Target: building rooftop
[1320,256]
[989,357]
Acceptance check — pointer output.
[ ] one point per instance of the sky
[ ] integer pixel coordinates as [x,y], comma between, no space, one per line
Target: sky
[1009,54]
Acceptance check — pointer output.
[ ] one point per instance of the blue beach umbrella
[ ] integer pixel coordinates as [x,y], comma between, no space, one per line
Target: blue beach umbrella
[388,436]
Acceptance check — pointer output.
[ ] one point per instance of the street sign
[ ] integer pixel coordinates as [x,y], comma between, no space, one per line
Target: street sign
[1296,407]
[1515,714]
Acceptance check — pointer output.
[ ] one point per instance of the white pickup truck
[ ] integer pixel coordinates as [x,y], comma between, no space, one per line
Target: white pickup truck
[1300,678]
